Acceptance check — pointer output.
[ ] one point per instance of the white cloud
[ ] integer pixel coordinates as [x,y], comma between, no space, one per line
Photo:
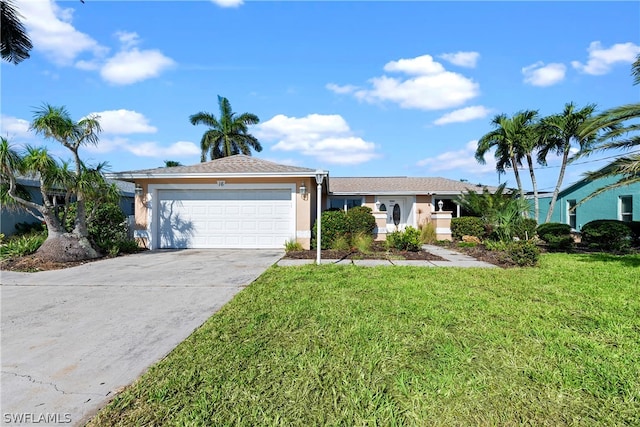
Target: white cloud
[462,160]
[539,74]
[14,128]
[463,115]
[131,64]
[51,32]
[601,60]
[341,89]
[146,148]
[325,137]
[121,122]
[429,87]
[228,3]
[462,59]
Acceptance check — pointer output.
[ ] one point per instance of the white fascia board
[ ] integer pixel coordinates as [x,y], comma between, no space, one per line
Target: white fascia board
[133,176]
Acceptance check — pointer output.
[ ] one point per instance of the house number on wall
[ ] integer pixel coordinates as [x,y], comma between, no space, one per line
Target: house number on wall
[220,183]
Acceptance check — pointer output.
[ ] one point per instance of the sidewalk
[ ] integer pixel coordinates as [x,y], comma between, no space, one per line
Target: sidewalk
[452,259]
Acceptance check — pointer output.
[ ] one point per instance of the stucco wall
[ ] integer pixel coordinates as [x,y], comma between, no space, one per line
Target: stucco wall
[604,206]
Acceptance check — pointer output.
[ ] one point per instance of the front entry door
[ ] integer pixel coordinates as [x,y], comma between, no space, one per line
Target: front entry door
[396,214]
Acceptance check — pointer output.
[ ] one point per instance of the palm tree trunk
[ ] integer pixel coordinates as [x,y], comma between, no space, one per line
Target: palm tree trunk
[534,183]
[516,172]
[563,166]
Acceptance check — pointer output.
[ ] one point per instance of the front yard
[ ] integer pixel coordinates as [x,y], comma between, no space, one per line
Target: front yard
[343,345]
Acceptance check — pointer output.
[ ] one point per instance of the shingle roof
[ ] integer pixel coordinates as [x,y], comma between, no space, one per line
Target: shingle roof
[399,184]
[238,164]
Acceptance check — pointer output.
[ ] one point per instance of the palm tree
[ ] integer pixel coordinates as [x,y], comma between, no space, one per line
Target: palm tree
[616,137]
[512,140]
[15,41]
[559,133]
[635,70]
[228,134]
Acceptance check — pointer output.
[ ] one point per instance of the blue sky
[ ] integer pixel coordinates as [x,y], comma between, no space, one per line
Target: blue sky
[357,88]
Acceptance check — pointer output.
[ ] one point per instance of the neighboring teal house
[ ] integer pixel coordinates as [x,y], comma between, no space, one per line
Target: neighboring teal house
[621,203]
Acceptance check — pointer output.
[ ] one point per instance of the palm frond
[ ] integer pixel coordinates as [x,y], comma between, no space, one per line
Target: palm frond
[16,43]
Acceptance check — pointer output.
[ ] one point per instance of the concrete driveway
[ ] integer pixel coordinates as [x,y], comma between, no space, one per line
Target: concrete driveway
[71,339]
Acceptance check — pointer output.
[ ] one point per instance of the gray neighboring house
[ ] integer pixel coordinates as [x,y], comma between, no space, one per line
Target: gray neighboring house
[11,216]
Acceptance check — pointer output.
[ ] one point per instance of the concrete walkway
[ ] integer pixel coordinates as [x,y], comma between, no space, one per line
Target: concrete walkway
[452,259]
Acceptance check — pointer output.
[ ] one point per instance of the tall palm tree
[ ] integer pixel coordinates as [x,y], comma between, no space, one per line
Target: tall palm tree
[228,134]
[635,70]
[559,133]
[510,140]
[15,41]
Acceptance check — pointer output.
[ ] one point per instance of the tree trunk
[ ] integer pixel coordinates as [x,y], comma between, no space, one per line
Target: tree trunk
[516,172]
[66,247]
[534,183]
[563,166]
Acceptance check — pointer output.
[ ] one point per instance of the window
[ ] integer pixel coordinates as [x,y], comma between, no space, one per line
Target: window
[345,204]
[626,208]
[571,213]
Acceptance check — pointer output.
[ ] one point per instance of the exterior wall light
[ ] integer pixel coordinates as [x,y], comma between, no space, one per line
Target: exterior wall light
[138,190]
[303,191]
[440,204]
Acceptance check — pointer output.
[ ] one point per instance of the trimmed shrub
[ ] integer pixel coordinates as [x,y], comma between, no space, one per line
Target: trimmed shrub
[554,228]
[525,229]
[467,226]
[556,235]
[360,220]
[523,253]
[607,235]
[334,224]
[635,231]
[407,240]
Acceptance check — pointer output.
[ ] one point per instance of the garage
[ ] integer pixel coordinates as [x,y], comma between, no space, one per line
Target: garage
[224,218]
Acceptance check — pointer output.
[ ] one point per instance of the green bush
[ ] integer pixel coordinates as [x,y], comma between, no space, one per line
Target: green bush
[22,244]
[523,253]
[467,226]
[407,240]
[556,235]
[607,235]
[467,244]
[360,220]
[635,231]
[553,228]
[107,228]
[29,227]
[334,224]
[525,229]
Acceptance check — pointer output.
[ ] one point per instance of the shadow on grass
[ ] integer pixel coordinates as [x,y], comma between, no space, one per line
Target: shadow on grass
[625,260]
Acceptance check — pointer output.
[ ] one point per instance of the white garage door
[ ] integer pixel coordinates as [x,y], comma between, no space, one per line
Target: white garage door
[224,218]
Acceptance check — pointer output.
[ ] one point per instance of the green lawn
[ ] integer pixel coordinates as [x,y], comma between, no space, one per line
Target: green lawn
[343,345]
